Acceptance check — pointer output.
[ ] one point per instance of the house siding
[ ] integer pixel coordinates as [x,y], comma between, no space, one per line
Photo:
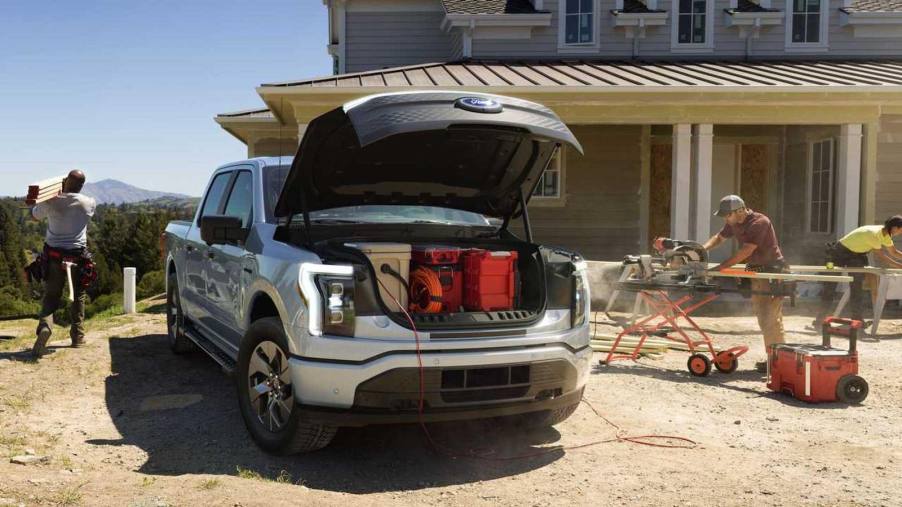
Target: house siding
[377,40]
[889,168]
[601,189]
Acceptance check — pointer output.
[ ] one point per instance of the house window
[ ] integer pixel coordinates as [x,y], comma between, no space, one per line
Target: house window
[550,182]
[692,23]
[821,173]
[579,20]
[806,21]
[692,26]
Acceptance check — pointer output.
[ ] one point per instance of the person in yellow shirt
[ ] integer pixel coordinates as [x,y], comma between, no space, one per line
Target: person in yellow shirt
[852,251]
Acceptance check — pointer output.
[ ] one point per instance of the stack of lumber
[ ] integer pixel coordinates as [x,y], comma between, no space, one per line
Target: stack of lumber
[653,346]
[44,190]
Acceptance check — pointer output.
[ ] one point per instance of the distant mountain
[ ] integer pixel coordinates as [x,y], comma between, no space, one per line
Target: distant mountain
[117,192]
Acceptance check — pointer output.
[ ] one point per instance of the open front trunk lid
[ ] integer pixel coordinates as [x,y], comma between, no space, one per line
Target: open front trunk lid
[462,150]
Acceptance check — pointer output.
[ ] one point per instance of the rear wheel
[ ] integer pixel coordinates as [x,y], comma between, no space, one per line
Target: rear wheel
[852,389]
[175,319]
[266,395]
[726,362]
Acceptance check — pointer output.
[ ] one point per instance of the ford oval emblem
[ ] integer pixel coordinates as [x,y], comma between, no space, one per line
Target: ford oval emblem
[479,105]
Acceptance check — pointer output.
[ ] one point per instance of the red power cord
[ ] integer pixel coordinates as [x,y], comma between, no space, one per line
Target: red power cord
[618,437]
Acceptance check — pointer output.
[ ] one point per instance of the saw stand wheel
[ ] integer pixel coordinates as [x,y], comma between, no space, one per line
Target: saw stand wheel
[726,361]
[699,365]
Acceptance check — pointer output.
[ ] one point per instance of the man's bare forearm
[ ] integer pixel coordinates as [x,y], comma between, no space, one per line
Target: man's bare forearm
[713,242]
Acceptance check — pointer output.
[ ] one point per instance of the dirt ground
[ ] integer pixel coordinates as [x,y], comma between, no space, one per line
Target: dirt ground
[125,422]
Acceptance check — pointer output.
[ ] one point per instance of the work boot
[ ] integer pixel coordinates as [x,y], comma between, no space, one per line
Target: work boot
[40,345]
[78,341]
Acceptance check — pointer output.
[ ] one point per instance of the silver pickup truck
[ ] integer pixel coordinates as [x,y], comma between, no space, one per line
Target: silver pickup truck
[296,273]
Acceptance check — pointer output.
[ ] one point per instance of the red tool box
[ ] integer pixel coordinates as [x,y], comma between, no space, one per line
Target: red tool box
[819,373]
[445,261]
[490,282]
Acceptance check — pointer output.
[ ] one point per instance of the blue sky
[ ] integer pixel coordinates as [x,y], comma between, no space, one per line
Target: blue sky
[128,89]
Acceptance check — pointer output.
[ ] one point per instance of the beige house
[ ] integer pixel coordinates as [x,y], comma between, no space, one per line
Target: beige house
[814,143]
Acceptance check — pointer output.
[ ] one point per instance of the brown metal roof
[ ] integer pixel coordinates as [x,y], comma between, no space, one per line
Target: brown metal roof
[874,6]
[489,7]
[580,73]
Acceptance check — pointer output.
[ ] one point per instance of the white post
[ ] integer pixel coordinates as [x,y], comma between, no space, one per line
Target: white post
[848,178]
[681,181]
[703,142]
[128,289]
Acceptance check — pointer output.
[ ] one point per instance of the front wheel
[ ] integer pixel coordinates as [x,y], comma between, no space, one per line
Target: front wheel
[266,395]
[175,319]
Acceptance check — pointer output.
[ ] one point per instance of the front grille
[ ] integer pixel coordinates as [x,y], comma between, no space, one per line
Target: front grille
[485,384]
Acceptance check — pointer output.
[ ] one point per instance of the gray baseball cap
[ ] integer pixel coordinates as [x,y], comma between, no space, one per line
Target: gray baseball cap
[728,204]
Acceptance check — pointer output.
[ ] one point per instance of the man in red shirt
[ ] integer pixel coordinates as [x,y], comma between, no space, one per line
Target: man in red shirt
[759,249]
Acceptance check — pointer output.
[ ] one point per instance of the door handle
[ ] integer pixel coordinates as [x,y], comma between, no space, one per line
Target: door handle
[210,255]
[189,248]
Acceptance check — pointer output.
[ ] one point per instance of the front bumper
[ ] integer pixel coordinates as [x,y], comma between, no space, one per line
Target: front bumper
[380,389]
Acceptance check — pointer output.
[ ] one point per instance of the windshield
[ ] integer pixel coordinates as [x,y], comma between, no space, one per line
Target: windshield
[274,179]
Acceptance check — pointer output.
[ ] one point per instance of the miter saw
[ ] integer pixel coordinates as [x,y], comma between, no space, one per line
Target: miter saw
[677,263]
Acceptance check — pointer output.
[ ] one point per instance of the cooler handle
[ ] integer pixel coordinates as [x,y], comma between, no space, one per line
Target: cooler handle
[845,327]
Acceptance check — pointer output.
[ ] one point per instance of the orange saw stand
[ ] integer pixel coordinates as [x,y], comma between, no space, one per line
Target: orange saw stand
[664,320]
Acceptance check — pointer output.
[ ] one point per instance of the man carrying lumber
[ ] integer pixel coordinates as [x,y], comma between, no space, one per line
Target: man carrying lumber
[761,252]
[852,252]
[65,258]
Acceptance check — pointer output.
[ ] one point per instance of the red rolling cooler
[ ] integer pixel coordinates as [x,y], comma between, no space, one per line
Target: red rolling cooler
[819,373]
[490,283]
[445,261]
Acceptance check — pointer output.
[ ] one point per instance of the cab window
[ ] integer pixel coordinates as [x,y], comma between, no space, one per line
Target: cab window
[215,195]
[241,198]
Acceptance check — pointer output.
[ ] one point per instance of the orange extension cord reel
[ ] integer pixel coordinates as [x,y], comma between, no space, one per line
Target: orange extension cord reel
[425,291]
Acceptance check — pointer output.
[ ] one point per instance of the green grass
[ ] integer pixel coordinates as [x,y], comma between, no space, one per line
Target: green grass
[283,478]
[208,484]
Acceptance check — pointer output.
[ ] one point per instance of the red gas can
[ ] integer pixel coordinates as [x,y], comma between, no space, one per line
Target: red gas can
[490,280]
[445,261]
[819,373]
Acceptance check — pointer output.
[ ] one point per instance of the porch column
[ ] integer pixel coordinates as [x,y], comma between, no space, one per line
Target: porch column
[848,178]
[703,147]
[680,181]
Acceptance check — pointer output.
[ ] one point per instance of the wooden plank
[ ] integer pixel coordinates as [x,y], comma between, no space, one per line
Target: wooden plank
[462,74]
[790,277]
[57,180]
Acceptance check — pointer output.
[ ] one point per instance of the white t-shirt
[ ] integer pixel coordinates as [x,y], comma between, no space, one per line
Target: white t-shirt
[68,216]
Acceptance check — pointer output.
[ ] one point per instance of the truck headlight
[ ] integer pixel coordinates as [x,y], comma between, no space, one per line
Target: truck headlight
[328,292]
[579,308]
[338,304]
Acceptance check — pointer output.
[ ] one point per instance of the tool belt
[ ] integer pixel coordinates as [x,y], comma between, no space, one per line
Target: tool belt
[838,254]
[778,288]
[80,257]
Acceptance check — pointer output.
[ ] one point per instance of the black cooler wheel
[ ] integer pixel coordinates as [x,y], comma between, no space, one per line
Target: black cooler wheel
[852,389]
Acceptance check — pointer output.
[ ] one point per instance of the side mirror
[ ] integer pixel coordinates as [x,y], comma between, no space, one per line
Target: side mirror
[220,229]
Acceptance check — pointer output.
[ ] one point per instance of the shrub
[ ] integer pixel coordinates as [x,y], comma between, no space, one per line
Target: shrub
[151,284]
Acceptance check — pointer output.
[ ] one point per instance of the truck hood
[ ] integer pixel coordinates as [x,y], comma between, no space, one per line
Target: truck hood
[462,150]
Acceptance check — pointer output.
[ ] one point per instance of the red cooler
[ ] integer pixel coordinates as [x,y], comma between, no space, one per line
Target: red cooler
[819,373]
[490,281]
[445,261]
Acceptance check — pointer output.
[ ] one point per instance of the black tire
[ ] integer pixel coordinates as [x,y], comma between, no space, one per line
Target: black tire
[734,364]
[851,389]
[542,419]
[699,365]
[290,435]
[175,320]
